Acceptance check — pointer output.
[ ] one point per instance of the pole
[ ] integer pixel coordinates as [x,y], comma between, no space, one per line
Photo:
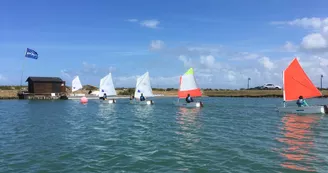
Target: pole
[248,83]
[321,82]
[22,71]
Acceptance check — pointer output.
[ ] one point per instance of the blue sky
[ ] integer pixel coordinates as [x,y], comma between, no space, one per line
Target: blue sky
[224,41]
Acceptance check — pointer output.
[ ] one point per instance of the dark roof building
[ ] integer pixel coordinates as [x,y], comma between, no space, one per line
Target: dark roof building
[45,85]
[44,79]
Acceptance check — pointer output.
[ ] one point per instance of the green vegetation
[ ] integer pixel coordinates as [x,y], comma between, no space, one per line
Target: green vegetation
[12,87]
[129,91]
[89,87]
[171,89]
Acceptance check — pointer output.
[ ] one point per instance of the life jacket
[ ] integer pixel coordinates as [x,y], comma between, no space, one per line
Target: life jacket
[300,102]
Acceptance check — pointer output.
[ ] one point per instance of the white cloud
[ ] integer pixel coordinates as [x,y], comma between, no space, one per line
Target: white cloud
[249,56]
[158,81]
[150,23]
[156,45]
[219,73]
[153,23]
[208,61]
[314,41]
[2,77]
[66,74]
[89,73]
[267,63]
[308,22]
[317,41]
[186,61]
[206,50]
[89,68]
[231,76]
[132,20]
[290,47]
[312,23]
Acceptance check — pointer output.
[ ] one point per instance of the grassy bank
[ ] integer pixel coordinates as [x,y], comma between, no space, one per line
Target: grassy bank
[10,92]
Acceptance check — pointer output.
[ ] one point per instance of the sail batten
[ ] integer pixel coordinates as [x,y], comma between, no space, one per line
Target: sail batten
[188,85]
[107,86]
[297,83]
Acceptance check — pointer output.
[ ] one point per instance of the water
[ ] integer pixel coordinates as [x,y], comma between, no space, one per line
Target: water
[227,135]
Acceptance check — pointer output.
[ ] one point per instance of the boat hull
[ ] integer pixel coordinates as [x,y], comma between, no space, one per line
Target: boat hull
[189,105]
[146,102]
[110,101]
[304,110]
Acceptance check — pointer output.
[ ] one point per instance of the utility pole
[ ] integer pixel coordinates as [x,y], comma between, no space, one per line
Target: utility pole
[321,81]
[248,82]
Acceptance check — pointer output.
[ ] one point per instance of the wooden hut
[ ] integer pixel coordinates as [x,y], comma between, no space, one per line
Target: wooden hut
[45,85]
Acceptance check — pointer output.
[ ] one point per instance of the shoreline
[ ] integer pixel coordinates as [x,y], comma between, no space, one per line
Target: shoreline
[12,94]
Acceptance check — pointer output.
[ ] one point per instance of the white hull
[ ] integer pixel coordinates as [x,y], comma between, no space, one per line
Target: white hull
[189,105]
[146,102]
[91,97]
[108,101]
[305,110]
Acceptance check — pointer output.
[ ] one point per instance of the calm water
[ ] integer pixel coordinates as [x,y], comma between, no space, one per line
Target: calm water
[228,135]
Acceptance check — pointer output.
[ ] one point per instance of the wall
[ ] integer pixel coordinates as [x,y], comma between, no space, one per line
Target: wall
[42,87]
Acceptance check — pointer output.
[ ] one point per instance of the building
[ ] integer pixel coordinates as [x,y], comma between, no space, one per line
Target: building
[45,85]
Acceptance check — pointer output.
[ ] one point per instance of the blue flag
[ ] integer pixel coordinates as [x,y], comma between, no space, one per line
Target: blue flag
[31,54]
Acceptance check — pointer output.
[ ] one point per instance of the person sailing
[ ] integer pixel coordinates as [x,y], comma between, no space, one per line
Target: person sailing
[189,99]
[142,98]
[105,96]
[301,102]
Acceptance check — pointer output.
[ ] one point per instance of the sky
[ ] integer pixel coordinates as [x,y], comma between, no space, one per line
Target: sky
[226,42]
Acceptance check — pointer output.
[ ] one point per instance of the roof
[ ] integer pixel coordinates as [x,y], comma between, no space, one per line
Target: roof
[44,79]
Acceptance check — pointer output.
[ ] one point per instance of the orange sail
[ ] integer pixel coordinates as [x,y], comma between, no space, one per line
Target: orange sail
[297,83]
[188,85]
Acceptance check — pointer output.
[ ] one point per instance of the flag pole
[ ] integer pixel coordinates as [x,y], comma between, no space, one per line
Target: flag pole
[22,70]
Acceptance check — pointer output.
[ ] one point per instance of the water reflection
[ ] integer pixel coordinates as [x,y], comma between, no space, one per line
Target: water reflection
[298,136]
[143,111]
[106,110]
[189,125]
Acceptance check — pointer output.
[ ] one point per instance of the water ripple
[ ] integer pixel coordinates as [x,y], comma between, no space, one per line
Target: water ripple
[227,135]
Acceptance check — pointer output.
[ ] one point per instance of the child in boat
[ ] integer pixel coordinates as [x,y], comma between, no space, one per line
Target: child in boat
[189,99]
[142,98]
[301,102]
[105,96]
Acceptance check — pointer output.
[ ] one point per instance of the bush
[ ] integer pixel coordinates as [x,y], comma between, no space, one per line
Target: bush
[7,87]
[171,89]
[129,91]
[89,87]
[158,89]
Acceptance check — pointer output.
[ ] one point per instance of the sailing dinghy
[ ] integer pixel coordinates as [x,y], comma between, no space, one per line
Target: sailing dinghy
[188,85]
[297,83]
[143,87]
[76,84]
[107,86]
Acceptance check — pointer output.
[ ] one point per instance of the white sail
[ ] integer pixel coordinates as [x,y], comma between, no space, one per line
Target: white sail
[107,86]
[143,86]
[76,84]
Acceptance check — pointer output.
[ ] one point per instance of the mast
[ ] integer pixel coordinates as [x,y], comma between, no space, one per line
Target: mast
[283,87]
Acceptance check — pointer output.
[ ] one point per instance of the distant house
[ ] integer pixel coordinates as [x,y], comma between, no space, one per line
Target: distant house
[45,85]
